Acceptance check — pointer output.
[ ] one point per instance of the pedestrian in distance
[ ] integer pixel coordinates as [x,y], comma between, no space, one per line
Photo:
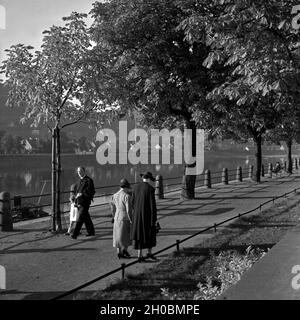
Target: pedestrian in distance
[144,217]
[277,169]
[83,198]
[122,219]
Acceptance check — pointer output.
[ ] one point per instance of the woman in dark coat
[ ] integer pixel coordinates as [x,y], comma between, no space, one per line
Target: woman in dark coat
[144,216]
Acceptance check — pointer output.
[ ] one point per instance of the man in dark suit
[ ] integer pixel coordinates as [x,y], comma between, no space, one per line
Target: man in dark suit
[84,196]
[144,217]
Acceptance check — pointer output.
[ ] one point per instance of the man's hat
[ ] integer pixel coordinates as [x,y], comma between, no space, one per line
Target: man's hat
[147,175]
[124,183]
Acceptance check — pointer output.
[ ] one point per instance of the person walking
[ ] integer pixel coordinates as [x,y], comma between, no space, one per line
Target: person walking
[122,217]
[144,217]
[83,198]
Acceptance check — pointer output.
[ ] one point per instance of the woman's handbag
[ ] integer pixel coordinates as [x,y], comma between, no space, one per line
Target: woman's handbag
[74,213]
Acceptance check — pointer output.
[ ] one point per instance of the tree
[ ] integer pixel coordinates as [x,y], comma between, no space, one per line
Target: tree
[8,143]
[83,144]
[288,129]
[257,40]
[67,145]
[2,134]
[56,86]
[146,65]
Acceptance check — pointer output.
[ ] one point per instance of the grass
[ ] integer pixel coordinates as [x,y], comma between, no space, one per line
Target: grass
[181,272]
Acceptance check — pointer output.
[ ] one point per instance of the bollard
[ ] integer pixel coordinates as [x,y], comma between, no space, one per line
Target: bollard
[284,166]
[159,187]
[225,176]
[270,169]
[262,170]
[251,171]
[207,179]
[239,174]
[6,222]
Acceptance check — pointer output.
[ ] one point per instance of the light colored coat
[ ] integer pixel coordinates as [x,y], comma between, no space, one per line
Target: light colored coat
[122,214]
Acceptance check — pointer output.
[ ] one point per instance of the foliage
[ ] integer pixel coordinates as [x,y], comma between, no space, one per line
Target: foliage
[229,265]
[256,40]
[149,66]
[11,143]
[55,83]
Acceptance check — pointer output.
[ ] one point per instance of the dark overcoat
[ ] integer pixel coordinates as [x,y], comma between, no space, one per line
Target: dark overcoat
[144,216]
[86,187]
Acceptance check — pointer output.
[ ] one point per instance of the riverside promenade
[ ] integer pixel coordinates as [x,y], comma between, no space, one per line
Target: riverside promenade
[41,265]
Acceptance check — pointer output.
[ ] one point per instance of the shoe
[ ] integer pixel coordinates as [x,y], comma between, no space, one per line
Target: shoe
[120,255]
[73,237]
[90,235]
[67,234]
[141,259]
[126,254]
[151,257]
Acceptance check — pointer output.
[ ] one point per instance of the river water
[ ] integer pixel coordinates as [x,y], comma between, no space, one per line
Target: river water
[31,175]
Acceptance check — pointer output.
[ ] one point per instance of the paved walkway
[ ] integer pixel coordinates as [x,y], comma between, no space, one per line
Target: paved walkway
[41,265]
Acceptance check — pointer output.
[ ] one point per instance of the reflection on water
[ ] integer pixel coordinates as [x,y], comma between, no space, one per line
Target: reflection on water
[27,178]
[31,179]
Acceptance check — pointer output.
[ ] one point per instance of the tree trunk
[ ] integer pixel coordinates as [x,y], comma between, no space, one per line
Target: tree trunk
[189,181]
[58,175]
[53,187]
[258,156]
[289,143]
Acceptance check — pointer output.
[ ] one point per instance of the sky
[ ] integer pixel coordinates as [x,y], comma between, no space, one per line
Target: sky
[23,21]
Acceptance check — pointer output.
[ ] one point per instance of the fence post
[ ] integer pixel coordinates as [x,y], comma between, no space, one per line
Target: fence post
[177,245]
[225,176]
[239,174]
[262,170]
[123,270]
[251,171]
[6,222]
[270,169]
[207,179]
[159,187]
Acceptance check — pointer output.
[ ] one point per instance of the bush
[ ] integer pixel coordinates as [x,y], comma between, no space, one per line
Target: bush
[228,269]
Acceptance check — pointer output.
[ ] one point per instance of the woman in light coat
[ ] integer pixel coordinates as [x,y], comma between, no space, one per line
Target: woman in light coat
[122,216]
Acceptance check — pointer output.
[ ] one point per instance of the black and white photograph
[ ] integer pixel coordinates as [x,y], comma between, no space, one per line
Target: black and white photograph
[149,153]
